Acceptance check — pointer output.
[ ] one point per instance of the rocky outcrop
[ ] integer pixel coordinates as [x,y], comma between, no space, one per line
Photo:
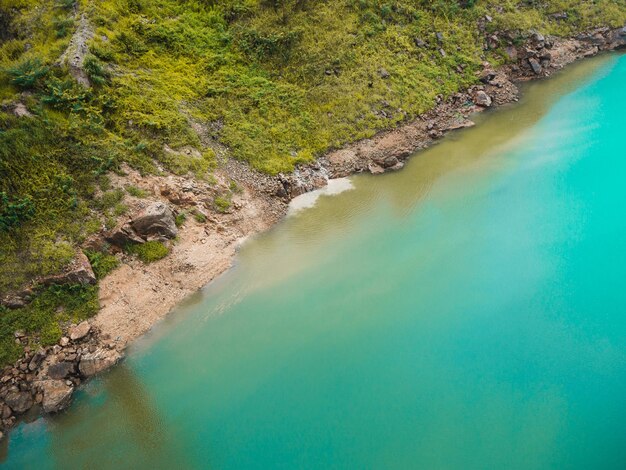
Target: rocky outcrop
[94,363]
[56,395]
[48,376]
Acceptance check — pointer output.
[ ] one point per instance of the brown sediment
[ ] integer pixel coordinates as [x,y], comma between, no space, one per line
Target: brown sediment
[136,296]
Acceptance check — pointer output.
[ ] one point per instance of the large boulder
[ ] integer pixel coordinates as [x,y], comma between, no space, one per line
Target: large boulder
[155,221]
[20,402]
[56,395]
[60,370]
[79,331]
[101,359]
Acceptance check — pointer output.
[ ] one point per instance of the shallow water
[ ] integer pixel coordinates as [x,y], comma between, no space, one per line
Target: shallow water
[467,312]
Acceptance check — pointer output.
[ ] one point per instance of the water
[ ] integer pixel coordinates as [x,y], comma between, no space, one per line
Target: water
[468,312]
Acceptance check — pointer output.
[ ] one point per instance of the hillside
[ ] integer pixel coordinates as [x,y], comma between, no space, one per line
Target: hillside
[180,87]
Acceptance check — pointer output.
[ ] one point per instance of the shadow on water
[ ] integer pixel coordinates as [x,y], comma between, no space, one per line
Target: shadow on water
[122,410]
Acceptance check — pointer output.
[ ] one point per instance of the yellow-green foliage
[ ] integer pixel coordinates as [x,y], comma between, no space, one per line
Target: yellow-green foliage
[150,251]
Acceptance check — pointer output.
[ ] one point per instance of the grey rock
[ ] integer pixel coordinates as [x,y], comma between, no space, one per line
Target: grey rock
[482,99]
[157,220]
[56,395]
[382,73]
[535,65]
[20,402]
[60,370]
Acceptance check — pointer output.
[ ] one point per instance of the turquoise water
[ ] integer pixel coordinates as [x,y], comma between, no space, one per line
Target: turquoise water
[468,312]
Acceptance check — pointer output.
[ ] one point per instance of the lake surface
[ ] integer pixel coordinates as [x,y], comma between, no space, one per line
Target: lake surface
[468,312]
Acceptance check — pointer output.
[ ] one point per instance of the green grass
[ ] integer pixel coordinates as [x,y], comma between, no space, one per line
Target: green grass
[274,86]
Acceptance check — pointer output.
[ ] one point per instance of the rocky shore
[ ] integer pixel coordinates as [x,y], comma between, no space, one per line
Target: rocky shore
[136,296]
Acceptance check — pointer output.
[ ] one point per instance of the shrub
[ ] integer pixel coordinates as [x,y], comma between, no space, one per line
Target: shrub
[102,263]
[28,74]
[180,219]
[95,70]
[200,217]
[13,212]
[222,204]
[150,251]
[136,192]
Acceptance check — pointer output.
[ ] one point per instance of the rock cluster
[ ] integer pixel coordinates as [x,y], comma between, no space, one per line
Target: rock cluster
[46,378]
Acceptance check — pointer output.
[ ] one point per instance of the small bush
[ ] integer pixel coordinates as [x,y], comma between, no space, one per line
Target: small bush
[28,74]
[222,204]
[95,70]
[180,219]
[102,263]
[136,192]
[200,217]
[150,251]
[14,211]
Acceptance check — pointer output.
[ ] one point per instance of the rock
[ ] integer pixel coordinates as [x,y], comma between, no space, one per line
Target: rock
[482,99]
[79,331]
[535,65]
[538,38]
[442,53]
[375,169]
[20,402]
[382,73]
[64,341]
[419,42]
[13,302]
[56,395]
[93,363]
[36,360]
[622,32]
[80,272]
[439,37]
[487,75]
[559,16]
[511,52]
[157,220]
[123,235]
[60,370]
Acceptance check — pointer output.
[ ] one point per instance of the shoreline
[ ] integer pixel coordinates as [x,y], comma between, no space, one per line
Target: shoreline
[136,296]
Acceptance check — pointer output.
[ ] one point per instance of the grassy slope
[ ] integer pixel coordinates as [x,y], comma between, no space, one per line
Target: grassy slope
[276,86]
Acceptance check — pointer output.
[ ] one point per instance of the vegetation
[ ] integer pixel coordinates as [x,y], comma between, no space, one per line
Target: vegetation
[276,82]
[42,317]
[150,251]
